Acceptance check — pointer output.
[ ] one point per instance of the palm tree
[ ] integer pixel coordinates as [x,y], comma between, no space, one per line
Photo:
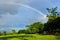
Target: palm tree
[53,13]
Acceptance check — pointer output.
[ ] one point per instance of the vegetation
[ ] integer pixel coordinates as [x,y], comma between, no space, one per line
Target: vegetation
[37,30]
[52,26]
[30,37]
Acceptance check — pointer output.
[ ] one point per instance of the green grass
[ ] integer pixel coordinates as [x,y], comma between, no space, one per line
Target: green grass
[30,37]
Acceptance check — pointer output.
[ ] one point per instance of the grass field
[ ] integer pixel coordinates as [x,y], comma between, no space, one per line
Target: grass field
[30,37]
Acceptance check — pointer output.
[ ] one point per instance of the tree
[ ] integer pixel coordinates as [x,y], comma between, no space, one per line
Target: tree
[0,33]
[53,11]
[53,14]
[4,33]
[22,31]
[53,26]
[50,26]
[14,31]
[36,27]
[56,23]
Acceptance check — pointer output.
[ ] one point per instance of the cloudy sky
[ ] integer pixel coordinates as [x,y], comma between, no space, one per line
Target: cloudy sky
[16,14]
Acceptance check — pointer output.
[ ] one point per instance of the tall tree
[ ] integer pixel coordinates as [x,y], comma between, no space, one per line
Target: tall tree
[54,25]
[22,31]
[53,20]
[52,13]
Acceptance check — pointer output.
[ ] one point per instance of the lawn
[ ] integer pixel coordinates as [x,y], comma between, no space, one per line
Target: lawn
[30,37]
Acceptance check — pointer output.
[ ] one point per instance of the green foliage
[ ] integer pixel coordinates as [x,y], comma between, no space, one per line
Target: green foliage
[21,31]
[53,11]
[13,31]
[53,14]
[53,26]
[4,33]
[35,27]
[53,21]
[0,33]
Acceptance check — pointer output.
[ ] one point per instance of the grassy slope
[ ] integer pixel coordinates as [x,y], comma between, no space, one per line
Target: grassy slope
[30,37]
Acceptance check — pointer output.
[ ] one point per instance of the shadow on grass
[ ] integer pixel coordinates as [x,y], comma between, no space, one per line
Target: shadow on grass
[58,37]
[3,38]
[12,39]
[18,37]
[24,37]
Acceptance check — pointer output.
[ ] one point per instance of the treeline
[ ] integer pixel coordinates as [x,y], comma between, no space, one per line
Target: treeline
[52,26]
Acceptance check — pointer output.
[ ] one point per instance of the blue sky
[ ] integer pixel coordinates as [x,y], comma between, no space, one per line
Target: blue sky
[16,14]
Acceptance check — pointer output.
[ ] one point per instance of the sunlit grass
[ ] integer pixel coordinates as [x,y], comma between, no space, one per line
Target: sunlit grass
[30,37]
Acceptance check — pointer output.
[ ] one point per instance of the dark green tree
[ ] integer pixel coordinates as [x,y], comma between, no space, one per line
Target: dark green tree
[22,31]
[52,11]
[50,26]
[0,33]
[36,27]
[52,14]
[4,33]
[14,31]
[53,26]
